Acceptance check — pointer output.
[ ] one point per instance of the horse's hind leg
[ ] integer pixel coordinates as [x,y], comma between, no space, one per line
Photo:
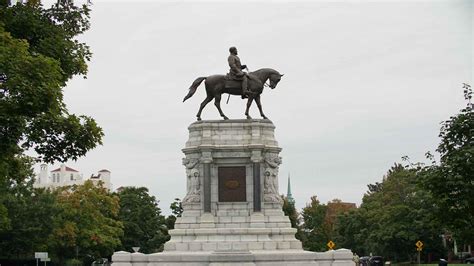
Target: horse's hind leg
[217,102]
[249,103]
[203,104]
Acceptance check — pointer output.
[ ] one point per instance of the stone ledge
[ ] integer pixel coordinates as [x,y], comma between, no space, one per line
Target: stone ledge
[340,257]
[232,231]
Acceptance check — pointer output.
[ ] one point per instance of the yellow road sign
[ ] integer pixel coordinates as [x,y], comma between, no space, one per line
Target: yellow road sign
[419,244]
[331,245]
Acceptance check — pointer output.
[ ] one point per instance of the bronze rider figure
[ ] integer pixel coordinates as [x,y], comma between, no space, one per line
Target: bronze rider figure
[236,72]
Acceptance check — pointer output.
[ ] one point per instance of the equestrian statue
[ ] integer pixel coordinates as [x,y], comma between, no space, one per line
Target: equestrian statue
[236,82]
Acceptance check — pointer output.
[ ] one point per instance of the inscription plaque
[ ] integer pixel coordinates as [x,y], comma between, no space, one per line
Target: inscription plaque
[232,185]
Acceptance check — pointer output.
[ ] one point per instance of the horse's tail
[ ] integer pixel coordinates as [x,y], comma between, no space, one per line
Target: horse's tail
[194,87]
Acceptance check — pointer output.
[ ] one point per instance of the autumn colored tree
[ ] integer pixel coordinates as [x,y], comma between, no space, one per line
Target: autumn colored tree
[88,223]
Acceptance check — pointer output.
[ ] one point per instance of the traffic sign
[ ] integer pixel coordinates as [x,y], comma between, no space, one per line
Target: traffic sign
[41,255]
[419,244]
[45,259]
[419,249]
[331,245]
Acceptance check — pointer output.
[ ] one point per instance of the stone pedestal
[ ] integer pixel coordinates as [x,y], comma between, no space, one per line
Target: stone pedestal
[232,210]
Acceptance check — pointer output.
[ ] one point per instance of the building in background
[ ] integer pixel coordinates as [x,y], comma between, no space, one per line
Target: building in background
[337,207]
[66,176]
[104,176]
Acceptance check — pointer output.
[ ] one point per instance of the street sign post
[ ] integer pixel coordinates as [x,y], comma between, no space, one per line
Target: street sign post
[419,244]
[331,245]
[45,260]
[419,248]
[40,255]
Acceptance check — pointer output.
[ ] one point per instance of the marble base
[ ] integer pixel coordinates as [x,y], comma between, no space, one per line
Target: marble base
[341,257]
[213,231]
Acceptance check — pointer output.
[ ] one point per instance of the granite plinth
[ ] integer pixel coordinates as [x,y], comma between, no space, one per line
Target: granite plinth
[252,231]
[341,257]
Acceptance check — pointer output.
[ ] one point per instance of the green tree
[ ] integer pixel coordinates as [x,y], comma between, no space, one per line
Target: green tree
[88,223]
[290,211]
[393,216]
[451,182]
[38,55]
[314,234]
[176,211]
[32,221]
[351,231]
[144,226]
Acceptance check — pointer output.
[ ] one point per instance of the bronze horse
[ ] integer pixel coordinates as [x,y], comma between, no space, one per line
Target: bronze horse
[216,86]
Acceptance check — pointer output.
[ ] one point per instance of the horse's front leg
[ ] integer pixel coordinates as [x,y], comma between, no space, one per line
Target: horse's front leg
[259,104]
[217,102]
[249,103]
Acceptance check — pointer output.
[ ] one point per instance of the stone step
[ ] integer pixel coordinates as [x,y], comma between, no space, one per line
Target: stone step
[233,231]
[232,245]
[237,218]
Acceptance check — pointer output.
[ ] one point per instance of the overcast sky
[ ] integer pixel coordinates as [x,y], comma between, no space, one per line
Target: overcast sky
[365,84]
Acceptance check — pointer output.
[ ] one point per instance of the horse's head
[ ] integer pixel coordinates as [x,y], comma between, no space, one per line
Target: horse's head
[274,79]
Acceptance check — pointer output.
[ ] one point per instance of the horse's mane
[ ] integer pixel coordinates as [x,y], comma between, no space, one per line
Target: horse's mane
[264,73]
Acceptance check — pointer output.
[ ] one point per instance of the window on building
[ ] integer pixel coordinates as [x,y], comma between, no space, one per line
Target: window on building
[72,177]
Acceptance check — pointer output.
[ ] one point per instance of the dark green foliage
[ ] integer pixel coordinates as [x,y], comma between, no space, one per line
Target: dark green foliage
[290,211]
[144,226]
[451,182]
[392,218]
[32,219]
[176,210]
[314,233]
[38,55]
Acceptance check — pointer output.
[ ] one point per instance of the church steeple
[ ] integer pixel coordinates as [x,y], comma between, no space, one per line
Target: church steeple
[290,198]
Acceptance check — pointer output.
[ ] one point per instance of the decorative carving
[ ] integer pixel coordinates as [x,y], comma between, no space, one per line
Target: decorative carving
[193,185]
[272,162]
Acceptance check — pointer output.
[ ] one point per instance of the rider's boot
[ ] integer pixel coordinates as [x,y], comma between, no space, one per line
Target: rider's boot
[245,91]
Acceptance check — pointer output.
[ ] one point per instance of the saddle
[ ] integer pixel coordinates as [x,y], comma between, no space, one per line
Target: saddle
[232,82]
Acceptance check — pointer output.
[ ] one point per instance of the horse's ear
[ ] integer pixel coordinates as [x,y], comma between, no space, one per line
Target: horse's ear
[281,75]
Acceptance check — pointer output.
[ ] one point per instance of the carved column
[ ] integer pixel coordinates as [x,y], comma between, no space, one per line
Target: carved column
[206,162]
[256,159]
[257,190]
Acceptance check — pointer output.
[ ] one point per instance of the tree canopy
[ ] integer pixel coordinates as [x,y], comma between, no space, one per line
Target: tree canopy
[39,54]
[451,181]
[144,226]
[88,222]
[393,216]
